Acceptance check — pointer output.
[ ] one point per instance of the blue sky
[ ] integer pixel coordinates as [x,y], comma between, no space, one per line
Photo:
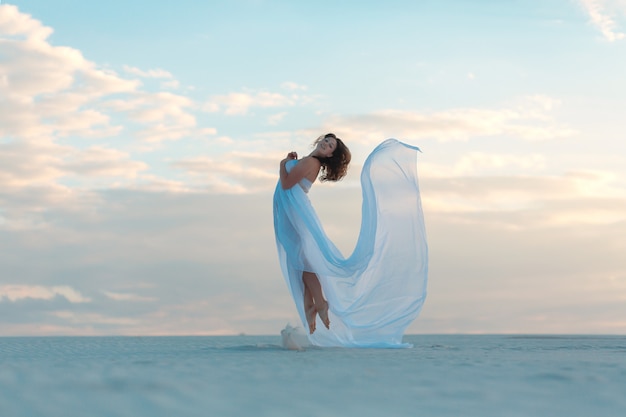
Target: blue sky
[139,145]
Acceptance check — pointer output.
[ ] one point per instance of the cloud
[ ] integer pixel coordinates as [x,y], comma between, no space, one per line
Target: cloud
[289,85]
[85,207]
[169,81]
[475,163]
[233,172]
[13,22]
[118,296]
[62,119]
[556,271]
[275,119]
[505,250]
[153,73]
[33,208]
[98,161]
[26,163]
[161,116]
[528,120]
[19,292]
[171,85]
[91,319]
[553,240]
[199,253]
[545,200]
[52,162]
[52,92]
[239,103]
[602,14]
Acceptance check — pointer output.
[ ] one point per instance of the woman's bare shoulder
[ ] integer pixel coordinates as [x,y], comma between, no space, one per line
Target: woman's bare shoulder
[310,161]
[311,167]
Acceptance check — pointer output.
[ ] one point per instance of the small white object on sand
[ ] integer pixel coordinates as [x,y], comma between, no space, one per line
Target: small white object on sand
[294,338]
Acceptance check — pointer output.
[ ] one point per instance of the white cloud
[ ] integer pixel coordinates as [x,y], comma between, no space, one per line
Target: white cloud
[289,85]
[275,119]
[529,120]
[154,183]
[120,296]
[482,163]
[234,172]
[153,73]
[53,101]
[53,92]
[170,85]
[34,68]
[602,14]
[241,103]
[219,250]
[13,22]
[97,161]
[96,214]
[20,292]
[539,200]
[26,163]
[162,116]
[49,93]
[74,318]
[28,208]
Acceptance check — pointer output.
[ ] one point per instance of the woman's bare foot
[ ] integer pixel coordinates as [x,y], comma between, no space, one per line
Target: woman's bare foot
[322,310]
[310,312]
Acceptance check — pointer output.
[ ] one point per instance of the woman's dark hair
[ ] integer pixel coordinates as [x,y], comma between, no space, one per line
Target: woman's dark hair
[335,167]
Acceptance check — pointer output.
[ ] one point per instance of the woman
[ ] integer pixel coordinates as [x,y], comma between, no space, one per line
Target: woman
[332,157]
[373,295]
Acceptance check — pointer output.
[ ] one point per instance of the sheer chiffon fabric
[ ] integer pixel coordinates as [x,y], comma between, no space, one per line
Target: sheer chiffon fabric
[376,292]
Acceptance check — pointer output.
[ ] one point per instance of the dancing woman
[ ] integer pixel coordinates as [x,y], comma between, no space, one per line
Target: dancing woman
[374,294]
[332,157]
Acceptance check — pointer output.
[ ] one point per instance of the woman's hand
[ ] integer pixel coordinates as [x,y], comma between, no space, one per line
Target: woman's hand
[290,156]
[302,169]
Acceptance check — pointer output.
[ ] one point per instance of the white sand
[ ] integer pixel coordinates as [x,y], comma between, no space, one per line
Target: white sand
[254,376]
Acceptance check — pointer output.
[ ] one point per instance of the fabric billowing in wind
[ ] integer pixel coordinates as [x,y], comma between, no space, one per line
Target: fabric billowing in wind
[376,292]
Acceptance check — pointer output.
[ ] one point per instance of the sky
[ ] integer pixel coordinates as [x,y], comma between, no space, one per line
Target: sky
[140,143]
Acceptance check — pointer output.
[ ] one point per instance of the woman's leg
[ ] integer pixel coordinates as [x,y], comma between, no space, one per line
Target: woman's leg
[309,309]
[312,283]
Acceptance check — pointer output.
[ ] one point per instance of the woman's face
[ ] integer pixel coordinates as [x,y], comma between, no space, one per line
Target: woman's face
[326,146]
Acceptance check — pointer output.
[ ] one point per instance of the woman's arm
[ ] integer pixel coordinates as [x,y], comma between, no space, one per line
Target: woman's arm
[302,169]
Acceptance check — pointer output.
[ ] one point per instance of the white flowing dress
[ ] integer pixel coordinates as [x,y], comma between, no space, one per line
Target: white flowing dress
[376,292]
